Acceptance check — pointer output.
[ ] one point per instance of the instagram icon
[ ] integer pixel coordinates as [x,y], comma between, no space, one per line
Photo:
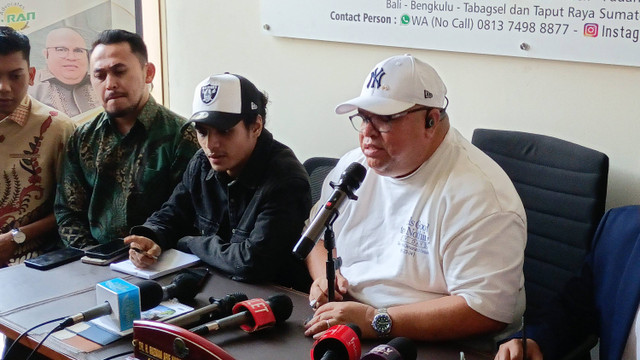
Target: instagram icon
[591,30]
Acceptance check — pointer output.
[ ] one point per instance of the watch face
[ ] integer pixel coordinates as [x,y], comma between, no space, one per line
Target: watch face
[382,323]
[18,236]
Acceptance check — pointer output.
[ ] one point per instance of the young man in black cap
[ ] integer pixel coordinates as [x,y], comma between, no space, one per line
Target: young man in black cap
[244,197]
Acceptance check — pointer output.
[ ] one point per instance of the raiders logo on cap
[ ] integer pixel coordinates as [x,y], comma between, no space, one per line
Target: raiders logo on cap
[208,93]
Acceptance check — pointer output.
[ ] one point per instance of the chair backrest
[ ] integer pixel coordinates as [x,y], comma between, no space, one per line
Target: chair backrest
[318,168]
[563,187]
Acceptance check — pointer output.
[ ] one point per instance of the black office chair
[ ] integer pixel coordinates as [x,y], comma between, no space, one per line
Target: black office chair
[318,168]
[563,187]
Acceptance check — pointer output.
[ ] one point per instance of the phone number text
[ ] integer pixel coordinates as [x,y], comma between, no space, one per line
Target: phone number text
[522,26]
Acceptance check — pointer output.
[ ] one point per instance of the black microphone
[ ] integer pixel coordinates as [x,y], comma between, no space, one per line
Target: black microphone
[252,315]
[150,297]
[399,348]
[184,287]
[350,180]
[217,309]
[339,342]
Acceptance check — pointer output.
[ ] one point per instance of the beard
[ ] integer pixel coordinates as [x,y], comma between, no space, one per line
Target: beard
[122,112]
[133,109]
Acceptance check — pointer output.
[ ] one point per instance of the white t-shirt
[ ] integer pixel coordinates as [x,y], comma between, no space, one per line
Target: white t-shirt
[456,226]
[631,350]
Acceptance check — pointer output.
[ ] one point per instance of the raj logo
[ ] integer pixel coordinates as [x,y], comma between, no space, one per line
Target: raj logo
[208,93]
[14,16]
[376,78]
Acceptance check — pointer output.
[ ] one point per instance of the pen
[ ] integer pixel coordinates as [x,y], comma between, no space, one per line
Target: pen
[524,340]
[143,253]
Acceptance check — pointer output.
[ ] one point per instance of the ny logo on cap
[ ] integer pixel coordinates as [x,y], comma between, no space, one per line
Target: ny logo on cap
[376,78]
[208,93]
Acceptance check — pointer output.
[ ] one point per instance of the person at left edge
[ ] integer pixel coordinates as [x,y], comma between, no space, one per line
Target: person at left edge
[244,197]
[121,166]
[32,138]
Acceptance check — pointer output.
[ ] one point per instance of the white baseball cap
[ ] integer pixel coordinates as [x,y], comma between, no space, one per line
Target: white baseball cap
[396,84]
[223,100]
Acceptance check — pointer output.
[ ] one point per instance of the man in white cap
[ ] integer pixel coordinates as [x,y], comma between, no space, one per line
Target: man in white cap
[244,197]
[434,246]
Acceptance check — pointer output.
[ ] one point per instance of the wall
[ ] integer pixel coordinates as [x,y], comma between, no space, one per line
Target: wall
[594,105]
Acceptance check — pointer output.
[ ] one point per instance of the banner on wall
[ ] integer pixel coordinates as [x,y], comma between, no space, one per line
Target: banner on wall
[598,31]
[61,33]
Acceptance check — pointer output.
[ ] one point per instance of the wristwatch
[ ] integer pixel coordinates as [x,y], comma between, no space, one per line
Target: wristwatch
[382,322]
[18,236]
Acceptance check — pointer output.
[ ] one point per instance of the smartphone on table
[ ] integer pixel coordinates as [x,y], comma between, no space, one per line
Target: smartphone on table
[54,258]
[110,250]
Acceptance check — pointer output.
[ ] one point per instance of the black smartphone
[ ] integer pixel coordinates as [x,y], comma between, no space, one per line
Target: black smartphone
[54,259]
[108,250]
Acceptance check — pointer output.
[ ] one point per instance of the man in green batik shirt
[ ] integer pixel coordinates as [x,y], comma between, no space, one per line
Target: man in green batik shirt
[123,165]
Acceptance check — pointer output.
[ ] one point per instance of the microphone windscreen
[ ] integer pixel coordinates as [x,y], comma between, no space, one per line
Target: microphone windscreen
[281,305]
[150,294]
[353,175]
[405,347]
[338,342]
[186,287]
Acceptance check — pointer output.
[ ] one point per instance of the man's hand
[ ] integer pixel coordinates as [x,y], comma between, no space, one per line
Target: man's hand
[147,251]
[318,293]
[7,248]
[335,313]
[512,350]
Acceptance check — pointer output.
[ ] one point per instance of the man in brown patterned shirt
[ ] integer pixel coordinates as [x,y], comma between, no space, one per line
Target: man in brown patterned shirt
[32,137]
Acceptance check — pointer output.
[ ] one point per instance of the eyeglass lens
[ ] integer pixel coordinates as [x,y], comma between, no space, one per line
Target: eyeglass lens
[63,51]
[379,124]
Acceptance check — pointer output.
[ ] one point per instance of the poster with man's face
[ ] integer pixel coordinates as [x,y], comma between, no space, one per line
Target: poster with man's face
[61,33]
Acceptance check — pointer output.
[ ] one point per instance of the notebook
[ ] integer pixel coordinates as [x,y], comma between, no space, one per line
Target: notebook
[169,262]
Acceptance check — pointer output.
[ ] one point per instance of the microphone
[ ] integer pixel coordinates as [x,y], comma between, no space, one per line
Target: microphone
[399,348]
[252,315]
[339,342]
[150,296]
[184,287]
[217,309]
[350,180]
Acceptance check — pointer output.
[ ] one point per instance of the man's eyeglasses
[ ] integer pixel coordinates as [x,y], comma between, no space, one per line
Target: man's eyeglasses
[381,123]
[63,51]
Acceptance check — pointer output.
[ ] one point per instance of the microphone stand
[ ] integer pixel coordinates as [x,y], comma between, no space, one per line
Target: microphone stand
[330,244]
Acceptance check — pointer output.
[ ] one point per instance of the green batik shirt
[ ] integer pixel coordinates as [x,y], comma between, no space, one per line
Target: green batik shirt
[111,182]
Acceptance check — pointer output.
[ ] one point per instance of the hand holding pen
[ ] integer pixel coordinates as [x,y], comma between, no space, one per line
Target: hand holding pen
[139,251]
[143,252]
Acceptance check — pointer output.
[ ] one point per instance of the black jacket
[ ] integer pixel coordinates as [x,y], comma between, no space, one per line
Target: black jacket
[245,227]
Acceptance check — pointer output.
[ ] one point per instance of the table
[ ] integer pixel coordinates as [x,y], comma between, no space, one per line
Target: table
[32,296]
